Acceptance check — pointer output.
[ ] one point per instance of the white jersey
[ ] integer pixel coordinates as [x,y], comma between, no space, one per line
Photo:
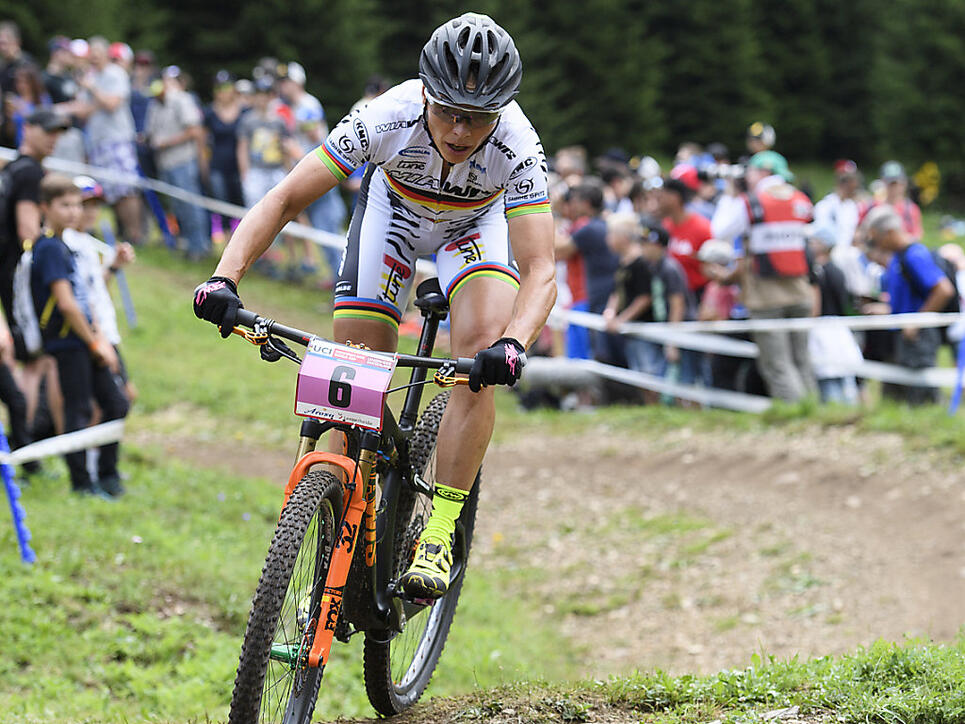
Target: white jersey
[93,257]
[406,210]
[507,173]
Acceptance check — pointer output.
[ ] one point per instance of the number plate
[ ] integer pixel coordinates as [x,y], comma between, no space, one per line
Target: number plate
[343,384]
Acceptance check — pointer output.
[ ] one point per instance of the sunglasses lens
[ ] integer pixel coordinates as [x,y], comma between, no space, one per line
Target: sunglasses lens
[455,115]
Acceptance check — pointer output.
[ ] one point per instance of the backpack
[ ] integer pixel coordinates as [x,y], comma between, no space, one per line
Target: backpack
[24,314]
[948,269]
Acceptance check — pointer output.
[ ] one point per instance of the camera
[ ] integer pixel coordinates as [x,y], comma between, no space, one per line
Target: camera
[714,171]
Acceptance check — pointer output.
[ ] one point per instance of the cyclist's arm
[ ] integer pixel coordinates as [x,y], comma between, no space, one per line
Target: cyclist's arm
[305,183]
[531,236]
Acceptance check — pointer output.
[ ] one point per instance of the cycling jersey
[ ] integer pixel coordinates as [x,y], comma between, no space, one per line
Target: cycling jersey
[405,211]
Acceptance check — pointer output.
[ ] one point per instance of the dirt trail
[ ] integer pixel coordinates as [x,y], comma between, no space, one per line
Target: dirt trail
[811,544]
[691,551]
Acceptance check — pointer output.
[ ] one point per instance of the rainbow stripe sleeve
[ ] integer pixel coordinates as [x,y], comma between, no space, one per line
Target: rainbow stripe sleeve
[336,163]
[522,208]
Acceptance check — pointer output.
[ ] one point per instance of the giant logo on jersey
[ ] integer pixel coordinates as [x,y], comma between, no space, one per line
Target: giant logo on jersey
[468,247]
[506,150]
[394,274]
[395,125]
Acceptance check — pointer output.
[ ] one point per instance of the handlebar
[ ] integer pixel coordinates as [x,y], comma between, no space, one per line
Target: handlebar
[257,323]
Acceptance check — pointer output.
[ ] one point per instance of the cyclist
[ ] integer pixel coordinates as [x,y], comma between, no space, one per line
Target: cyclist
[454,168]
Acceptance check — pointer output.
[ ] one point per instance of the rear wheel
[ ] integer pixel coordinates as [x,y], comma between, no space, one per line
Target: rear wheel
[274,683]
[397,671]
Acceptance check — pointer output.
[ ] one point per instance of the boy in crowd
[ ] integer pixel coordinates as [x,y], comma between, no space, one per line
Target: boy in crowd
[265,152]
[86,361]
[97,262]
[633,284]
[670,300]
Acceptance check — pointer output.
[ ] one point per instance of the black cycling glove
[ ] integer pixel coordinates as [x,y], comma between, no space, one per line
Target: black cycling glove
[501,364]
[217,301]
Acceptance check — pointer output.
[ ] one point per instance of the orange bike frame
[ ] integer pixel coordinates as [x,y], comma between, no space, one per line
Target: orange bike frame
[360,499]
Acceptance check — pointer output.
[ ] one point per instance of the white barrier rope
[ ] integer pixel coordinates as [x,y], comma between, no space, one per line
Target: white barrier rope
[695,336]
[540,370]
[67,443]
[215,206]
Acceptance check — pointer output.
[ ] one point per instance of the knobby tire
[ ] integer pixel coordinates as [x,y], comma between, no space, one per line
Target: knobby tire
[399,670]
[288,596]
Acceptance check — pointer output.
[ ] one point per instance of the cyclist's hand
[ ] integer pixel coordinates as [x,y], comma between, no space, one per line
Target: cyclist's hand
[217,301]
[501,364]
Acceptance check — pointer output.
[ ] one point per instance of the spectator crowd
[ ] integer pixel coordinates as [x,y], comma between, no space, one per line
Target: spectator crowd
[101,103]
[709,238]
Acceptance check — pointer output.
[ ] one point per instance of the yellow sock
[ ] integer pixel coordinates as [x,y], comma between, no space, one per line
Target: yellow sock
[446,506]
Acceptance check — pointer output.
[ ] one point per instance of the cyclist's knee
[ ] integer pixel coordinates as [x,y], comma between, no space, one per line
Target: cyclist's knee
[479,337]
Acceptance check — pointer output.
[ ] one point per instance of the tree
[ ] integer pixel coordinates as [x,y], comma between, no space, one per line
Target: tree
[712,86]
[797,73]
[592,76]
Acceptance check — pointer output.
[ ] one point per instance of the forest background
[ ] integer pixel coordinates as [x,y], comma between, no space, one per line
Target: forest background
[863,79]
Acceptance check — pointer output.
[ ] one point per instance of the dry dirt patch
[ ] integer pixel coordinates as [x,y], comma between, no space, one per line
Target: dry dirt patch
[690,551]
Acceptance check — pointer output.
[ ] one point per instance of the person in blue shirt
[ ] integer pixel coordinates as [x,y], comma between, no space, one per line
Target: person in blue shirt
[914,283]
[87,363]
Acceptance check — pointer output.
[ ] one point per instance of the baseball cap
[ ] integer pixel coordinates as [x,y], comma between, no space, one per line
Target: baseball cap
[653,231]
[716,251]
[845,167]
[295,72]
[171,71]
[223,77]
[685,174]
[762,131]
[892,171]
[244,86]
[718,150]
[615,155]
[79,47]
[144,57]
[48,120]
[120,51]
[89,188]
[771,161]
[264,83]
[822,234]
[58,42]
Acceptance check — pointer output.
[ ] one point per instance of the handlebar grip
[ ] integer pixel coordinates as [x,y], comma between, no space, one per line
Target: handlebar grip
[464,365]
[245,318]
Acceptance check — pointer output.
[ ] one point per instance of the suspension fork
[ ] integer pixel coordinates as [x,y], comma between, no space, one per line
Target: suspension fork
[359,477]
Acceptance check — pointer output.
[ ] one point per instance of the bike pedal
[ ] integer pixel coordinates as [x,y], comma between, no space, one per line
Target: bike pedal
[397,592]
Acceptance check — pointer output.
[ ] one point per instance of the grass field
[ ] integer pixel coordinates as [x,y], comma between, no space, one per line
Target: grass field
[135,609]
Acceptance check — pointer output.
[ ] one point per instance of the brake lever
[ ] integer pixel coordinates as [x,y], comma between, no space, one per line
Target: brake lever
[274,349]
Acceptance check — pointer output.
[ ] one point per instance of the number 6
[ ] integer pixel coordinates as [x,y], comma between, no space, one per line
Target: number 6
[340,393]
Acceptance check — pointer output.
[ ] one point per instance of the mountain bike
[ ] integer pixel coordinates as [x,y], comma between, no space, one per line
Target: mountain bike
[349,526]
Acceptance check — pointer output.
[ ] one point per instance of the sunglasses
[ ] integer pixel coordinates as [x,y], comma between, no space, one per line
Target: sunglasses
[473,119]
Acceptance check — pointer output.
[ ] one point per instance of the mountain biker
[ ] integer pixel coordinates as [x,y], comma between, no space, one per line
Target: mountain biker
[454,168]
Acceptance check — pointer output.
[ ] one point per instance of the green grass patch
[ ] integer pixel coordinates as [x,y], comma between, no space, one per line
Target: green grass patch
[886,683]
[135,610]
[915,681]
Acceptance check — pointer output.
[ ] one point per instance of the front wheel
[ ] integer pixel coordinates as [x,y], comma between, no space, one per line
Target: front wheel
[274,682]
[398,670]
